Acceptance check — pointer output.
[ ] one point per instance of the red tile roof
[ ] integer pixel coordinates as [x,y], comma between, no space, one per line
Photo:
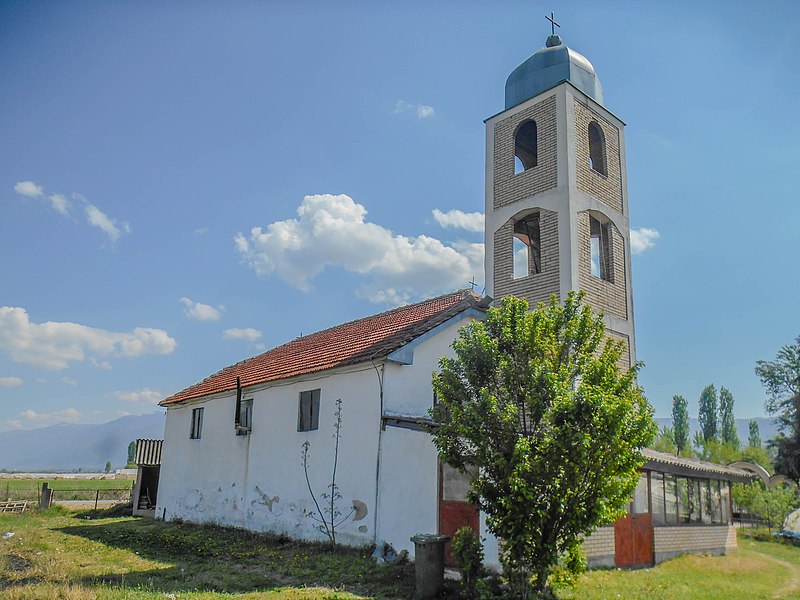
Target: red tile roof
[347,344]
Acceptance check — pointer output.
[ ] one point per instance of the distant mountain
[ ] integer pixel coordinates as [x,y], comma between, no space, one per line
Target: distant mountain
[767,427]
[85,447]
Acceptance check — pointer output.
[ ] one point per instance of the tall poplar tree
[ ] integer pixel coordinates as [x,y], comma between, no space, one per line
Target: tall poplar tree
[754,439]
[707,413]
[680,422]
[727,421]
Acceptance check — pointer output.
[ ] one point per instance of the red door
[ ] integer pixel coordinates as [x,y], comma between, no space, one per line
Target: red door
[454,510]
[633,541]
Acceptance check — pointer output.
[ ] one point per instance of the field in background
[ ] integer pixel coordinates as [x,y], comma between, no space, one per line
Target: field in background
[66,489]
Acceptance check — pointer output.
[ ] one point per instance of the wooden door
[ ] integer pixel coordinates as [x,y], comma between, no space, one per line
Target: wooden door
[633,541]
[455,511]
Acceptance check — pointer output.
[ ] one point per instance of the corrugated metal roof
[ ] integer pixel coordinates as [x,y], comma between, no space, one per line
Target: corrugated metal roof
[655,458]
[148,452]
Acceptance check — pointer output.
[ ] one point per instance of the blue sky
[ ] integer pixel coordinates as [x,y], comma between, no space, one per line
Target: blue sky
[141,144]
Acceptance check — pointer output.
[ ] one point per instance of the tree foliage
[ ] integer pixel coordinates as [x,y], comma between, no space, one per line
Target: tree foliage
[707,413]
[680,423]
[665,441]
[781,378]
[754,437]
[727,421]
[131,455]
[537,401]
[772,505]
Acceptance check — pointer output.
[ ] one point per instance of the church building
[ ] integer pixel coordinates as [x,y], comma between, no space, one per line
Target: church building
[557,220]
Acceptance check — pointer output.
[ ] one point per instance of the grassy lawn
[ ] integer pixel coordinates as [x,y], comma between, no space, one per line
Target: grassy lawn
[755,570]
[61,554]
[58,554]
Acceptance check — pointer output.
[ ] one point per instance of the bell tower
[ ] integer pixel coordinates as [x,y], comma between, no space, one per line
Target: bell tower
[556,192]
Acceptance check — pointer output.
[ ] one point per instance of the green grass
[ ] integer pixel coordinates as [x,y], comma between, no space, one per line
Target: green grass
[756,570]
[80,489]
[57,554]
[62,554]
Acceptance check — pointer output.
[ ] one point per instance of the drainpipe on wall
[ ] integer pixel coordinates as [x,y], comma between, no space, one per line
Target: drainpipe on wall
[378,456]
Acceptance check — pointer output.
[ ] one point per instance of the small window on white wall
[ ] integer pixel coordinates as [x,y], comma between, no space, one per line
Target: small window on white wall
[245,424]
[308,411]
[197,424]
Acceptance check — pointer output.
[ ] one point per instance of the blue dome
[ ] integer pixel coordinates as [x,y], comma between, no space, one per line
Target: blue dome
[547,68]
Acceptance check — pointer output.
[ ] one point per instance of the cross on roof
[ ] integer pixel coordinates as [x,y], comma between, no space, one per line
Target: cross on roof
[472,284]
[553,22]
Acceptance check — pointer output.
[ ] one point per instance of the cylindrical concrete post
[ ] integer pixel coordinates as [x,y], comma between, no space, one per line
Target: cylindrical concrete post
[428,564]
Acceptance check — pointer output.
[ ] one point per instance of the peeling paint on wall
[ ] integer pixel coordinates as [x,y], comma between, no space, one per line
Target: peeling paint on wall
[266,500]
[361,510]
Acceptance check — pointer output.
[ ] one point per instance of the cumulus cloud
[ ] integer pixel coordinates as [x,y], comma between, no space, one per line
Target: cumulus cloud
[53,345]
[10,381]
[68,415]
[332,231]
[146,395]
[201,312]
[29,188]
[423,111]
[643,238]
[69,381]
[458,219]
[249,333]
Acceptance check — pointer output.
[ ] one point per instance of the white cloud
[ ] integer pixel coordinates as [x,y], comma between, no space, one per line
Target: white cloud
[458,219]
[97,218]
[643,238]
[100,364]
[94,216]
[146,395]
[53,345]
[423,111]
[61,204]
[201,312]
[69,381]
[331,231]
[10,381]
[29,188]
[250,334]
[68,415]
[201,230]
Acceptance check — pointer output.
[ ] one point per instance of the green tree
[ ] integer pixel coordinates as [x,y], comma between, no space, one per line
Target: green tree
[108,466]
[771,504]
[754,438]
[680,423]
[131,455]
[665,441]
[537,400]
[727,420]
[781,378]
[707,413]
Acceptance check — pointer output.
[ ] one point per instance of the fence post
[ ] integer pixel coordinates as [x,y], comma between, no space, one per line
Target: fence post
[44,501]
[96,498]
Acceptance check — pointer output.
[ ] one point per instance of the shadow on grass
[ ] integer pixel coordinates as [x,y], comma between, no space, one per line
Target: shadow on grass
[204,557]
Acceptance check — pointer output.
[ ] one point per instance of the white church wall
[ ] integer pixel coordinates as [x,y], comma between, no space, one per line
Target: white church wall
[408,497]
[408,389]
[257,481]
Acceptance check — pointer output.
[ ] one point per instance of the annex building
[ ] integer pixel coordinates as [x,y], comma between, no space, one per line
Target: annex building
[557,220]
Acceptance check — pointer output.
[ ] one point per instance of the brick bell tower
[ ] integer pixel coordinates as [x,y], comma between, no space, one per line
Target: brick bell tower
[556,192]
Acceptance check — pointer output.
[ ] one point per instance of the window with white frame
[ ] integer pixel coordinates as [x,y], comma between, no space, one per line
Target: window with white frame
[245,417]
